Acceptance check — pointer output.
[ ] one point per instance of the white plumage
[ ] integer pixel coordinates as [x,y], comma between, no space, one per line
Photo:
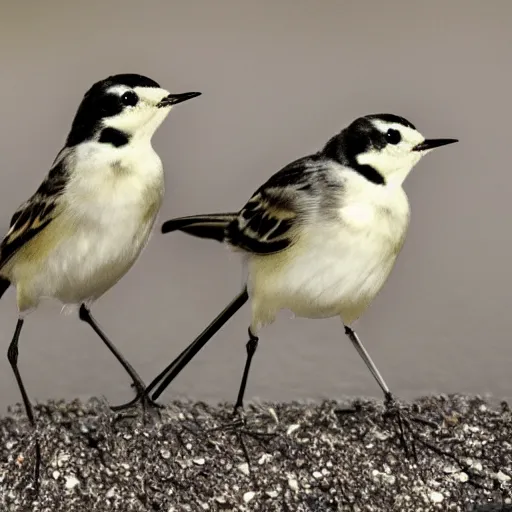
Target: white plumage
[106,216]
[338,264]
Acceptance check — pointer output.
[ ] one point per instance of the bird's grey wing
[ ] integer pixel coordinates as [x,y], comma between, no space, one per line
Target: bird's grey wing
[270,221]
[35,214]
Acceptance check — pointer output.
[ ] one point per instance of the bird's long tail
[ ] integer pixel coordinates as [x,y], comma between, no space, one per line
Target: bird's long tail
[4,284]
[212,226]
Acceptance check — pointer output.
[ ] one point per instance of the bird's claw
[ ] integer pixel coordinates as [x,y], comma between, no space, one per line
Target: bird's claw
[393,409]
[150,408]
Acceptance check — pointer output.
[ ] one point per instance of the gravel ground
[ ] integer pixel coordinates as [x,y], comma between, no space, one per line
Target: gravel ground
[290,457]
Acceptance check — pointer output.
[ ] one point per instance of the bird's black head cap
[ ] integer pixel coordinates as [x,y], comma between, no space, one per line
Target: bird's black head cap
[98,104]
[360,137]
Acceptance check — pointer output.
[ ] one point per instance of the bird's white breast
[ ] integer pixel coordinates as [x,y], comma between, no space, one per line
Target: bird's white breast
[339,264]
[108,211]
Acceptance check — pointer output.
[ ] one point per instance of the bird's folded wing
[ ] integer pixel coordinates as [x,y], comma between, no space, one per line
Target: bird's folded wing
[264,225]
[270,221]
[33,215]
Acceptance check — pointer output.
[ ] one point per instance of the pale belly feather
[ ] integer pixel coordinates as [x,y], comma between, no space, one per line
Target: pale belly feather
[333,270]
[88,247]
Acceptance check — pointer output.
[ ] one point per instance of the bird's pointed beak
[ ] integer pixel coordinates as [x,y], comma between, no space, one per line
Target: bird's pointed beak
[429,144]
[174,99]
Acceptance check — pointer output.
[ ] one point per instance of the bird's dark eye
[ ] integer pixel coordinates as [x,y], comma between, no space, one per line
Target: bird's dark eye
[393,136]
[129,98]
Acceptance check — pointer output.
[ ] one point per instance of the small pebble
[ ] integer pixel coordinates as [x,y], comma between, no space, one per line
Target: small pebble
[381,436]
[273,413]
[436,497]
[502,477]
[292,428]
[462,477]
[248,496]
[477,466]
[244,468]
[71,482]
[293,484]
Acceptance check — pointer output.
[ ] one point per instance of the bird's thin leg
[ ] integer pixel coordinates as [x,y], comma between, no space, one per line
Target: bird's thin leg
[389,398]
[238,409]
[168,374]
[12,355]
[251,347]
[85,316]
[368,361]
[165,377]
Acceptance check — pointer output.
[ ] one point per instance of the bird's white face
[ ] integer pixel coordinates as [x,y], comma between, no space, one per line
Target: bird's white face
[121,108]
[397,158]
[399,150]
[143,110]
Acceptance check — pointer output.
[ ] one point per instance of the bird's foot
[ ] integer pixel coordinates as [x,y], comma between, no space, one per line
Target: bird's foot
[238,426]
[150,408]
[239,422]
[403,422]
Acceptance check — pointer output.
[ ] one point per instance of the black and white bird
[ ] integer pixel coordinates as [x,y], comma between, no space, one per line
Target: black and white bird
[92,215]
[320,237]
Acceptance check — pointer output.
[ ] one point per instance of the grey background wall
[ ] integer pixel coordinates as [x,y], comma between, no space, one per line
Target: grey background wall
[278,79]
